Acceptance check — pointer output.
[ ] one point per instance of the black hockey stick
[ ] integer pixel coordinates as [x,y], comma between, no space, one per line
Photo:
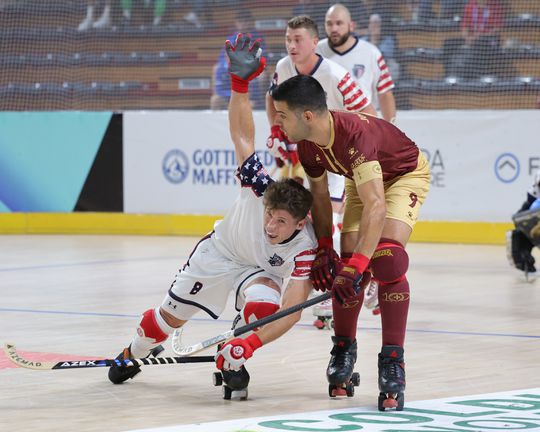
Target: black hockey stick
[11,353]
[181,350]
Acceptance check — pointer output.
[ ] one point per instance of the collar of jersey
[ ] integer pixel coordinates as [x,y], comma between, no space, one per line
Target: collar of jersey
[290,238]
[332,133]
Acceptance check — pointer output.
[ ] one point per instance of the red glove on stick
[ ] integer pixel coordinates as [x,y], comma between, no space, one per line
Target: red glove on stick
[235,353]
[347,282]
[245,62]
[325,265]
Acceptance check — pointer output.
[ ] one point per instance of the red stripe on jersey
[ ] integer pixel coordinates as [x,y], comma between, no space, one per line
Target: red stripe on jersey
[351,88]
[346,78]
[389,84]
[360,106]
[302,264]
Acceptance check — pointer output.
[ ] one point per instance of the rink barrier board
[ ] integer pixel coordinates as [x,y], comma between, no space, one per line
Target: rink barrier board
[198,225]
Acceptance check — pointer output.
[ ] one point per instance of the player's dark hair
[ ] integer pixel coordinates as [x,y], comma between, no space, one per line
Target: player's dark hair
[287,194]
[301,92]
[304,21]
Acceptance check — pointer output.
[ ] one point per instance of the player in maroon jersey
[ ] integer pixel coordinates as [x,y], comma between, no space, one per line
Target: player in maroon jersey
[387,180]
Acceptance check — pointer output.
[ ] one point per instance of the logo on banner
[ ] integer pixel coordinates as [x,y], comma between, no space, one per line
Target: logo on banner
[507,167]
[175,166]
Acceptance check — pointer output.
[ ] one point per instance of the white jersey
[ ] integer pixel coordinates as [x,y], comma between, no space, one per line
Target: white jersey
[240,235]
[366,64]
[341,90]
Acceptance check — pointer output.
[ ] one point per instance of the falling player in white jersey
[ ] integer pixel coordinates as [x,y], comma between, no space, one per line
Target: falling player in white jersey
[367,66]
[342,93]
[360,58]
[264,239]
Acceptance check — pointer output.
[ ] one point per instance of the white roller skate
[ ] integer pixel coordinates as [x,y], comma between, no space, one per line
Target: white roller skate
[323,312]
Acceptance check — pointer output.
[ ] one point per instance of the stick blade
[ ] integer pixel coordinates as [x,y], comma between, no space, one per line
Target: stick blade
[11,353]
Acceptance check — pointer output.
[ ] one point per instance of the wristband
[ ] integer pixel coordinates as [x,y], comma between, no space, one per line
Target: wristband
[359,262]
[254,341]
[326,242]
[238,84]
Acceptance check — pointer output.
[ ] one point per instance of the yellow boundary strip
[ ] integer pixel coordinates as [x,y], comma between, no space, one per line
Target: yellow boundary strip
[198,225]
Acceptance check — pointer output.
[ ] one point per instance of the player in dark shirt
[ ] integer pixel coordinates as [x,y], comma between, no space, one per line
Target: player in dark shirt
[387,180]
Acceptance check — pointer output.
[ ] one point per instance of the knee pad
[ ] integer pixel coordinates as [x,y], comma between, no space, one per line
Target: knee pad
[152,326]
[260,302]
[389,262]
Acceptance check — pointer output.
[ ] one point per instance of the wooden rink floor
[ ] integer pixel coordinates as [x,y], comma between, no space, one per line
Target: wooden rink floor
[474,327]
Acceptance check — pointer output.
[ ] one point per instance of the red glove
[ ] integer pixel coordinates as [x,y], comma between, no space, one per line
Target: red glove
[325,265]
[347,282]
[235,352]
[277,145]
[245,62]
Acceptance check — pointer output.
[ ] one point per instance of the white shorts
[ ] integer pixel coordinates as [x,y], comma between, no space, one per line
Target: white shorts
[206,281]
[336,186]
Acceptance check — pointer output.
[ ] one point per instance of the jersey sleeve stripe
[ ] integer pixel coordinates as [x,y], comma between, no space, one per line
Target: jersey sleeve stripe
[381,88]
[353,104]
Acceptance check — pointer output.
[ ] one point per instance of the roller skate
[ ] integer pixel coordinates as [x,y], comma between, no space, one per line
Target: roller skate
[323,312]
[119,374]
[371,297]
[234,383]
[341,378]
[391,378]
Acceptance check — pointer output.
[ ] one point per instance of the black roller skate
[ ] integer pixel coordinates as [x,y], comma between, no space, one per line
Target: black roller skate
[119,374]
[341,378]
[235,383]
[391,378]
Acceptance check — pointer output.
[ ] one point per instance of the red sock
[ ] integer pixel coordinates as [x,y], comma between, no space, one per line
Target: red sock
[394,305]
[346,316]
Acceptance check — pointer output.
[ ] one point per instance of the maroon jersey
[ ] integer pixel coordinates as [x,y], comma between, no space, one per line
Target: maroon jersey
[357,139]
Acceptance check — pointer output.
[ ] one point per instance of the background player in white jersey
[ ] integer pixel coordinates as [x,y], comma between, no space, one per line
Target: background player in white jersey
[264,239]
[361,58]
[342,93]
[367,66]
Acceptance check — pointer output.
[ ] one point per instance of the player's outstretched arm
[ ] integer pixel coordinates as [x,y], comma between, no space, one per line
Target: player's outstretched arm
[245,64]
[237,351]
[297,292]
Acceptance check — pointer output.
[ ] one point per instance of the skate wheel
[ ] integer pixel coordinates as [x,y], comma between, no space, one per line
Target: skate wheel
[331,389]
[319,323]
[217,378]
[330,323]
[239,394]
[400,401]
[382,398]
[334,391]
[355,379]
[227,393]
[349,389]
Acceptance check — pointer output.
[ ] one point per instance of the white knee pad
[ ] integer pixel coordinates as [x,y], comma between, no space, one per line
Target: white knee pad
[260,301]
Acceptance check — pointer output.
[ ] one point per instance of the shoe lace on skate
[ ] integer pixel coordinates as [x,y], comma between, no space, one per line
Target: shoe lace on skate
[393,370]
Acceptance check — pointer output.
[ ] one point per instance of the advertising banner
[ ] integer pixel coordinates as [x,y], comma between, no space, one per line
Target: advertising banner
[482,162]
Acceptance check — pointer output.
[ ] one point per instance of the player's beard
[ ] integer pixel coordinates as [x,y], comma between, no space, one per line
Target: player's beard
[340,41]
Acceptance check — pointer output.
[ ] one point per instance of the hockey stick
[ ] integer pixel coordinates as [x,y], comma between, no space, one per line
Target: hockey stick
[11,353]
[183,350]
